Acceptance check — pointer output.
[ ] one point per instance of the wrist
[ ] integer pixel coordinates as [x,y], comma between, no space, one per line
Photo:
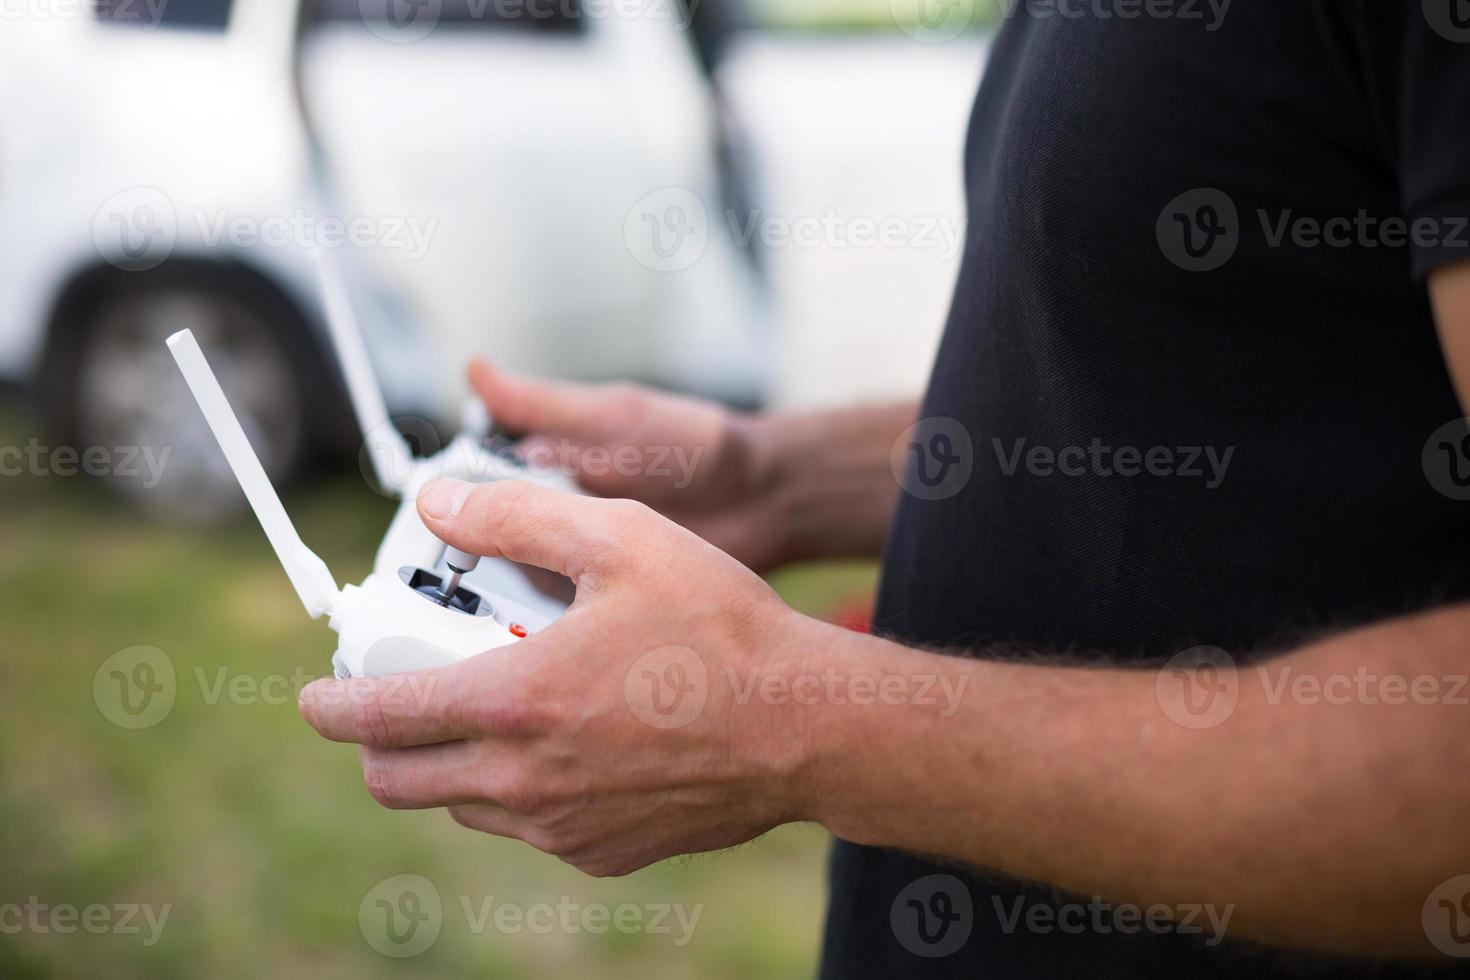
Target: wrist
[768,485]
[879,708]
[781,703]
[808,708]
[821,482]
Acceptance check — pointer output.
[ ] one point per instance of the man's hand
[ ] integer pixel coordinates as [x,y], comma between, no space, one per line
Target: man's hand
[610,739]
[765,489]
[694,462]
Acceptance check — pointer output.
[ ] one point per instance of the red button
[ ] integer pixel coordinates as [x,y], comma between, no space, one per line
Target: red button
[516,629]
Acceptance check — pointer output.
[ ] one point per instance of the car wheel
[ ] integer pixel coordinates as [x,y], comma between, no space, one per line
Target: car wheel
[126,395]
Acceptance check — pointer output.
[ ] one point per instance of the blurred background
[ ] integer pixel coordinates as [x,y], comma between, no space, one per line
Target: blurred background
[751,201]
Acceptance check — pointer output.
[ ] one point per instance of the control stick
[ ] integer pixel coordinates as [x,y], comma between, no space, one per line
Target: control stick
[460,563]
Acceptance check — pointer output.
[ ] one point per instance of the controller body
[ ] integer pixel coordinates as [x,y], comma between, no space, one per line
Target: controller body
[395,622]
[396,625]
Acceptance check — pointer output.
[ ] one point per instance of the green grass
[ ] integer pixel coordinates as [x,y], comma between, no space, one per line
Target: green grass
[258,834]
[875,15]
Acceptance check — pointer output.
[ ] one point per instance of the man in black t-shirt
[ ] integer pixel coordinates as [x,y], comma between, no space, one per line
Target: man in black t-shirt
[1169,669]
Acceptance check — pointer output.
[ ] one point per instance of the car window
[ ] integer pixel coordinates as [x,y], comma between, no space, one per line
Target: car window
[197,14]
[539,15]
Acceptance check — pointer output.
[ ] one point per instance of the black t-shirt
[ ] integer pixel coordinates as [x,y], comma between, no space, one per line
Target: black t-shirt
[1142,287]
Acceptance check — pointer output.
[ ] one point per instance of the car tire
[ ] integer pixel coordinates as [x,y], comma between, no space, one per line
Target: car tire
[111,387]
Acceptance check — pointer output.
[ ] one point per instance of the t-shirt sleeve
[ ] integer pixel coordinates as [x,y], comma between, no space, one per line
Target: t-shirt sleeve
[1416,57]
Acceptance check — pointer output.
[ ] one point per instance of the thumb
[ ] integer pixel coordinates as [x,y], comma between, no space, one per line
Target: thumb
[571,534]
[527,406]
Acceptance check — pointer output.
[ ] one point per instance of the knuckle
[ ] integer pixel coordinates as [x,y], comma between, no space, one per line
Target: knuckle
[547,842]
[500,717]
[573,846]
[598,867]
[627,522]
[624,401]
[311,712]
[370,721]
[629,515]
[381,784]
[521,794]
[505,502]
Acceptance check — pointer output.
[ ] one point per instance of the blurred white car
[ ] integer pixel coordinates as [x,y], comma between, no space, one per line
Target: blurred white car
[857,143]
[172,164]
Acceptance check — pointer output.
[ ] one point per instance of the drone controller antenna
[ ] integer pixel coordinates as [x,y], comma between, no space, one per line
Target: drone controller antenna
[392,460]
[460,563]
[308,573]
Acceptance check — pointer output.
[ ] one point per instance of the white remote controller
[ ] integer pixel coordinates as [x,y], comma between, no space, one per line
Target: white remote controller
[413,619]
[410,620]
[473,455]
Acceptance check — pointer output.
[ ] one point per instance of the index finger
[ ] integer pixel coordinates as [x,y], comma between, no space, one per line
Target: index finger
[397,711]
[529,406]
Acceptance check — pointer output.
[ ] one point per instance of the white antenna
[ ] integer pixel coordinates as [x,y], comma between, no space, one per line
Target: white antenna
[392,460]
[308,573]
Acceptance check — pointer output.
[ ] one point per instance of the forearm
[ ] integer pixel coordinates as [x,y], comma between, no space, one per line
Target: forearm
[827,478]
[1326,822]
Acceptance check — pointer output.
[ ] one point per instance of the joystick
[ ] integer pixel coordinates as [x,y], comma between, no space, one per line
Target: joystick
[460,563]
